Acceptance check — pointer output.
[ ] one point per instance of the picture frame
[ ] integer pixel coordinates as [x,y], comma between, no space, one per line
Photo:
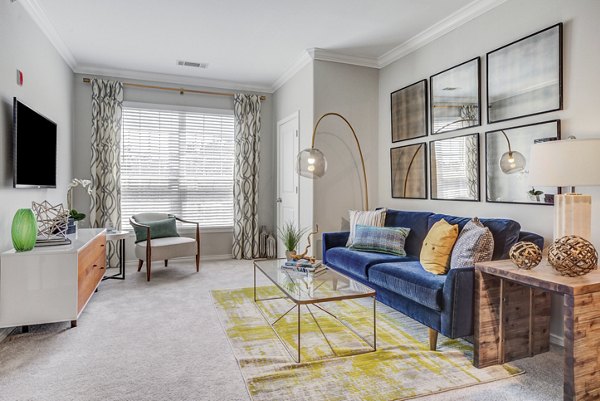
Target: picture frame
[454,168]
[525,77]
[408,107]
[504,187]
[408,171]
[455,97]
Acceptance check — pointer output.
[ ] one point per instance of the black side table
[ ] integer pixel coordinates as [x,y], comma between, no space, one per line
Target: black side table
[118,236]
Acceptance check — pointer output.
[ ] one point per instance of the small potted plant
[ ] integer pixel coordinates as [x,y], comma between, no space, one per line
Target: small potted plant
[74,217]
[534,194]
[290,235]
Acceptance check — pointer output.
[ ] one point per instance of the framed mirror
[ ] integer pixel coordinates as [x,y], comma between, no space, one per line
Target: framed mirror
[409,171]
[409,112]
[507,152]
[525,77]
[454,166]
[455,97]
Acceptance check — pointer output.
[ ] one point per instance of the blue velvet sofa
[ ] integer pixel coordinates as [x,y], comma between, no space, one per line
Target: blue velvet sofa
[444,303]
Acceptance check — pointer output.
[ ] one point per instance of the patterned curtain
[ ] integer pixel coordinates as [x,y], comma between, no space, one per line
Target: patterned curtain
[245,188]
[107,102]
[473,166]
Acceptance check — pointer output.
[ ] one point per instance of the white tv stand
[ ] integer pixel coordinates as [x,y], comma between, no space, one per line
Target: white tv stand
[51,284]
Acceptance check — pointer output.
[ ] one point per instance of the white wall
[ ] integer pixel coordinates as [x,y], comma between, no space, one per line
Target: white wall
[502,25]
[48,89]
[297,95]
[351,91]
[213,243]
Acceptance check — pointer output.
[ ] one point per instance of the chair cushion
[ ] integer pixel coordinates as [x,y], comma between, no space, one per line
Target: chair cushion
[475,244]
[437,247]
[504,231]
[374,218]
[158,229]
[418,224]
[410,280]
[167,248]
[357,263]
[388,240]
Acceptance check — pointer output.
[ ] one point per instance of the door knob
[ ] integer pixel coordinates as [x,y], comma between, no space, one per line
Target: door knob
[278,200]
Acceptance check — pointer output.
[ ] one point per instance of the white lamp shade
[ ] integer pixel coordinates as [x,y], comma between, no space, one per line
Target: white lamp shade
[570,162]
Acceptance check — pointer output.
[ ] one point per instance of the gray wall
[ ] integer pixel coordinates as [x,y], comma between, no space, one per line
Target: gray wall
[351,91]
[48,89]
[297,94]
[504,24]
[214,243]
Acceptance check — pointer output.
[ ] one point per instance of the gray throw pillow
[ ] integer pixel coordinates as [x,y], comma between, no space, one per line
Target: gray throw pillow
[475,244]
[158,229]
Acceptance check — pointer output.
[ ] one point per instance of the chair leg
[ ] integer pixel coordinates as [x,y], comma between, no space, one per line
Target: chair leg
[140,264]
[166,262]
[433,339]
[197,262]
[148,270]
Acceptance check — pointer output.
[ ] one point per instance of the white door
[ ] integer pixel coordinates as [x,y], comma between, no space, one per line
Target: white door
[287,177]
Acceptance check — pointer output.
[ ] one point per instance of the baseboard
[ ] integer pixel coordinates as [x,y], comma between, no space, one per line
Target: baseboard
[557,340]
[206,258]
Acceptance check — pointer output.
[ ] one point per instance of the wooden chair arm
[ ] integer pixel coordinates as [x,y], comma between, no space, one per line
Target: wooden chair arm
[139,225]
[187,221]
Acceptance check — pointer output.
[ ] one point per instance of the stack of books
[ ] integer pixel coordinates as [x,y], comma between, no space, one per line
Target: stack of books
[303,265]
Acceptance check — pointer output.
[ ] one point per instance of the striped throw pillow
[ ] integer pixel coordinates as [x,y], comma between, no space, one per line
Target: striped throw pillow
[474,244]
[375,218]
[388,240]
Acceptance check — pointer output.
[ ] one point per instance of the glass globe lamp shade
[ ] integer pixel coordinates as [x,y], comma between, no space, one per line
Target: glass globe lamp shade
[512,162]
[312,163]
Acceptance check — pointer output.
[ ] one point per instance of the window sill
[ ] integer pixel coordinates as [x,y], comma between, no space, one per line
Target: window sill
[189,229]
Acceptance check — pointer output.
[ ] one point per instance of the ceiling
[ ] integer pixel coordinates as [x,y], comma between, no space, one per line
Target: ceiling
[252,45]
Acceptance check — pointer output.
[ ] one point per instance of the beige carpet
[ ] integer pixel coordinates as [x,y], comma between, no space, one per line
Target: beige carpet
[162,341]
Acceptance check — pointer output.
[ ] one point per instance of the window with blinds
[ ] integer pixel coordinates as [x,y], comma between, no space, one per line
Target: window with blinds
[179,162]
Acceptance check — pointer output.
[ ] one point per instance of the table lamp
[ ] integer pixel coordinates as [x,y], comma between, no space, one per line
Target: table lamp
[313,164]
[568,163]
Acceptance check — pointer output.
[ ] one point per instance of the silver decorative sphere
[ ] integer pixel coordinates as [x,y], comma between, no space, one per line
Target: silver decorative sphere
[311,163]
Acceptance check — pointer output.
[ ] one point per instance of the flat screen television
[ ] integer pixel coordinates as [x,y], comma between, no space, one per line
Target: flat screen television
[34,148]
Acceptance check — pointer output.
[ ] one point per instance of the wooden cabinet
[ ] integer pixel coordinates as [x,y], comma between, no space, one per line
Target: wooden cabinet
[51,284]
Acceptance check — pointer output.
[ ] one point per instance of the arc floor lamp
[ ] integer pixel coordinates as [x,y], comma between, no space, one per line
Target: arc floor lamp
[313,164]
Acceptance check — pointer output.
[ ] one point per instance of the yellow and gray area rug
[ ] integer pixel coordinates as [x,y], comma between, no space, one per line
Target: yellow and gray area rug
[401,368]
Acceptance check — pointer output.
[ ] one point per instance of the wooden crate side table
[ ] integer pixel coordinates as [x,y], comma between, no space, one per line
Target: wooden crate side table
[512,319]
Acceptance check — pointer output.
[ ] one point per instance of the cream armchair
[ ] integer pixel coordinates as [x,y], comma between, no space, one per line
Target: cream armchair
[163,248]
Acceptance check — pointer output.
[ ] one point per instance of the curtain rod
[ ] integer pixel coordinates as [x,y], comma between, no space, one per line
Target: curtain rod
[166,88]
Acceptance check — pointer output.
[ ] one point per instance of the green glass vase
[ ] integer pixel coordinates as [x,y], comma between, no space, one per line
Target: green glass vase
[24,230]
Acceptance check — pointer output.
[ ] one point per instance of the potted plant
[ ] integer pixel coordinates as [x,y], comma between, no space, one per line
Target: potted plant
[290,235]
[535,194]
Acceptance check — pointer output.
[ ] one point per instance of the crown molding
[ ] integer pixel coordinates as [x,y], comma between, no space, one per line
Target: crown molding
[439,29]
[37,13]
[327,55]
[304,59]
[171,79]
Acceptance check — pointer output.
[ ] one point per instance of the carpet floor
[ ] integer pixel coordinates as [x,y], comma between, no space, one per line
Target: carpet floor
[163,341]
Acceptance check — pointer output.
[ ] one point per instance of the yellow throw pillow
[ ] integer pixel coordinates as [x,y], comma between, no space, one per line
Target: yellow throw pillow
[437,247]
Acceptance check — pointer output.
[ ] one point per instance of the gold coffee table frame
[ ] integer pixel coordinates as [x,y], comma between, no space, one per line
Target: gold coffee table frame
[306,289]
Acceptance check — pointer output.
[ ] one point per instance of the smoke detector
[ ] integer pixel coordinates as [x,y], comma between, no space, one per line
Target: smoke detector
[191,64]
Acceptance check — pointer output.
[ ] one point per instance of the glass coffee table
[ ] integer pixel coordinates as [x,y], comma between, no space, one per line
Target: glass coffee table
[311,290]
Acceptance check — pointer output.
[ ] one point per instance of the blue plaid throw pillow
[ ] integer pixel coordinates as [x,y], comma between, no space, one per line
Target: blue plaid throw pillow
[380,239]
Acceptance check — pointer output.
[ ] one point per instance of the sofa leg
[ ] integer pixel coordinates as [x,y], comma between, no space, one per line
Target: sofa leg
[197,262]
[140,264]
[432,339]
[166,262]
[148,270]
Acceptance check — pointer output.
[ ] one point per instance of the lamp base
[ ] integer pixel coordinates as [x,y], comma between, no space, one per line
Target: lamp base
[573,215]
